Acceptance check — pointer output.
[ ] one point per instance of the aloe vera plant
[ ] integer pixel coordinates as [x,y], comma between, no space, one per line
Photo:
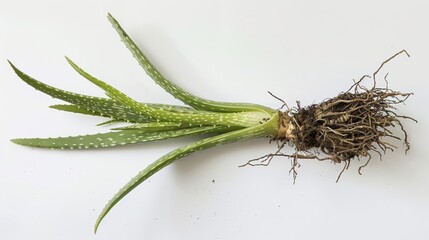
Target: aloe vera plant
[227,122]
[334,126]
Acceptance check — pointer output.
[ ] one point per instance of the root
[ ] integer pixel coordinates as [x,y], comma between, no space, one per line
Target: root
[281,100]
[346,166]
[266,159]
[386,61]
[350,126]
[366,164]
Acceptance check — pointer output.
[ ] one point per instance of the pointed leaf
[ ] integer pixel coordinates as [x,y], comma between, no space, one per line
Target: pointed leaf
[105,107]
[154,126]
[111,139]
[241,119]
[108,122]
[75,109]
[174,90]
[234,136]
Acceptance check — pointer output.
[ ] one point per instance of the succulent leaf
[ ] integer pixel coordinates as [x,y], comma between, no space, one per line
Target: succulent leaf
[111,139]
[154,126]
[242,119]
[75,109]
[108,122]
[177,92]
[229,137]
[106,107]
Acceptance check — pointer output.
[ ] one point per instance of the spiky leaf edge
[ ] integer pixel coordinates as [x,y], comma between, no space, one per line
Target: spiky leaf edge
[240,119]
[177,92]
[267,128]
[112,139]
[103,106]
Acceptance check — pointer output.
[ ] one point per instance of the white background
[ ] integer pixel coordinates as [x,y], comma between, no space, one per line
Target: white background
[222,50]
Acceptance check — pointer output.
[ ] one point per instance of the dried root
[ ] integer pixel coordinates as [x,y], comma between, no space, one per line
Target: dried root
[352,125]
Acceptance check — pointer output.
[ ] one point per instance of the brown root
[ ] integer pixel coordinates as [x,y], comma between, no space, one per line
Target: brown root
[352,125]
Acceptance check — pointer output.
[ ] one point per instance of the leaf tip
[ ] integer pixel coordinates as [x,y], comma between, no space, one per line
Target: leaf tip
[67,58]
[110,17]
[11,64]
[96,227]
[97,223]
[19,141]
[70,61]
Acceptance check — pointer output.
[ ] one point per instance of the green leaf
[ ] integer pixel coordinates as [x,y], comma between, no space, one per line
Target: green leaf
[103,106]
[154,126]
[234,136]
[112,139]
[241,119]
[75,109]
[175,108]
[83,110]
[108,122]
[177,92]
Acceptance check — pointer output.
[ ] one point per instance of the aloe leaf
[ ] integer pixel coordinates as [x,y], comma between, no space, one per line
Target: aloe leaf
[106,107]
[175,108]
[234,136]
[112,139]
[154,126]
[76,109]
[115,94]
[177,92]
[242,119]
[108,122]
[84,110]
